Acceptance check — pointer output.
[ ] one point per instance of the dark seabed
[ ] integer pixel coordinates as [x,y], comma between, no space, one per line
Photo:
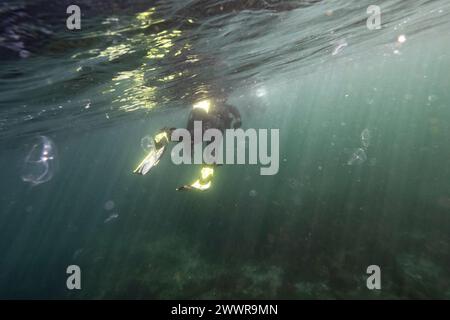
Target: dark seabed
[364,120]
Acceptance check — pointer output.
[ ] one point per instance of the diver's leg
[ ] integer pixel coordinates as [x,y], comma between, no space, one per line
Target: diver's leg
[161,140]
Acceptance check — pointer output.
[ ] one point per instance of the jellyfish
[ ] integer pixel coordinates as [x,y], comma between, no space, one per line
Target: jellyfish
[41,161]
[147,143]
[358,157]
[109,205]
[365,138]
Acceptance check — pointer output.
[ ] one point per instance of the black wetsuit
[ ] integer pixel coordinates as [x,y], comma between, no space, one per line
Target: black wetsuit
[224,116]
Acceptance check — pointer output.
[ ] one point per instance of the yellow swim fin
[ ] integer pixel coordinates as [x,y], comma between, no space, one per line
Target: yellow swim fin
[201,184]
[161,140]
[150,161]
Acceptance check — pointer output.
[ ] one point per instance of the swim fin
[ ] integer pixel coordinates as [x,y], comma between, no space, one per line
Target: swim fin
[201,184]
[161,140]
[150,161]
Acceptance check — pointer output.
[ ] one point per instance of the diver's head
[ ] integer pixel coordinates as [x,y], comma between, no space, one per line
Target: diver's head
[203,105]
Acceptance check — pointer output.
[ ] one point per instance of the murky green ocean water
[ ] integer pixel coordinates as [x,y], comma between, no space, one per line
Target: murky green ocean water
[338,204]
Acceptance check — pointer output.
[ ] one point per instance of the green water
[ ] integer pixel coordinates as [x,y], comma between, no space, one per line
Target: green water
[310,231]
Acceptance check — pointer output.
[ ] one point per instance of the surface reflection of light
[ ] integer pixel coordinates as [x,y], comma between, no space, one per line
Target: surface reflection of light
[204,105]
[167,78]
[144,16]
[137,95]
[160,44]
[146,19]
[115,52]
[192,58]
[136,89]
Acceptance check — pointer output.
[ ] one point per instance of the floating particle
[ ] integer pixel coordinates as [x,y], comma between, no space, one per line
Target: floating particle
[401,38]
[41,161]
[432,98]
[111,218]
[358,157]
[77,253]
[253,193]
[109,205]
[340,46]
[293,183]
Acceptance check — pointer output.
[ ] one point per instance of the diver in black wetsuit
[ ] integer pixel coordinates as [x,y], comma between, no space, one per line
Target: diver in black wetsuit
[213,115]
[221,116]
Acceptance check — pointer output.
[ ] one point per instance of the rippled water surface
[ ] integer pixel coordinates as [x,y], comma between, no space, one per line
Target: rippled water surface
[364,126]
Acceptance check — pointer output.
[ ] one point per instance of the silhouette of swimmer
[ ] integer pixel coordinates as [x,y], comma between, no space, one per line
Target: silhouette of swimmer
[215,114]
